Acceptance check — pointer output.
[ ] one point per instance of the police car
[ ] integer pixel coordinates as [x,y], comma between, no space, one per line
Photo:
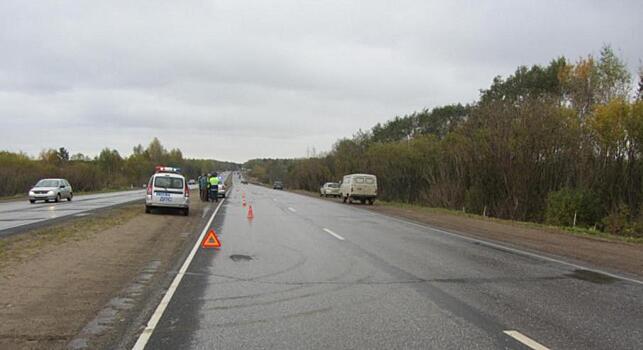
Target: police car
[167,188]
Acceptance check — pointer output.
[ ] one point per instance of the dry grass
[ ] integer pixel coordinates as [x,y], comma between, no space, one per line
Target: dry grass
[22,246]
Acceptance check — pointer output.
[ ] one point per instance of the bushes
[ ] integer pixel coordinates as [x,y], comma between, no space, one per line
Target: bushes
[619,222]
[566,203]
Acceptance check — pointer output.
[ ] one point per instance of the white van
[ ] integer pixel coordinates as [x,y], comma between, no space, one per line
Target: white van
[167,188]
[361,187]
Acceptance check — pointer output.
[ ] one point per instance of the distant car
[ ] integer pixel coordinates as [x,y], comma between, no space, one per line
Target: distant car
[278,185]
[51,190]
[167,189]
[244,181]
[329,189]
[361,187]
[222,190]
[192,182]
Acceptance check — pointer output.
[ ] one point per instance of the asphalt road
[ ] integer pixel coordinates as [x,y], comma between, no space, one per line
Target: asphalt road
[18,215]
[312,274]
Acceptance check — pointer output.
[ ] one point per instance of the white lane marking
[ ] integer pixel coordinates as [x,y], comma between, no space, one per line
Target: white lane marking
[292,209]
[333,234]
[160,309]
[513,250]
[205,211]
[483,242]
[525,340]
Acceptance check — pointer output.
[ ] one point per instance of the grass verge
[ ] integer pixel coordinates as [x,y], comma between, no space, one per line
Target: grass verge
[22,246]
[577,231]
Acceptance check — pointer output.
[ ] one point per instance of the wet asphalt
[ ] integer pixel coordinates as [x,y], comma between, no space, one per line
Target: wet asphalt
[18,216]
[313,274]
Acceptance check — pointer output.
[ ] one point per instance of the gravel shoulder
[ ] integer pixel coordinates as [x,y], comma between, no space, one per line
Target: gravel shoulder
[81,282]
[609,254]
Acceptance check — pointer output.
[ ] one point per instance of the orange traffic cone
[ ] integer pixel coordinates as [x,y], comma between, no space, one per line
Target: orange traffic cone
[251,214]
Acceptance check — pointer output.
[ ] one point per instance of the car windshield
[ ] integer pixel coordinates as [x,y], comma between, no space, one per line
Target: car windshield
[48,183]
[168,182]
[333,185]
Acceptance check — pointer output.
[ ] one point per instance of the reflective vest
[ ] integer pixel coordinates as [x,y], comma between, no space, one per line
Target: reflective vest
[214,181]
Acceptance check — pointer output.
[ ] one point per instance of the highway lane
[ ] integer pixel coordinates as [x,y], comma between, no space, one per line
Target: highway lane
[311,274]
[18,215]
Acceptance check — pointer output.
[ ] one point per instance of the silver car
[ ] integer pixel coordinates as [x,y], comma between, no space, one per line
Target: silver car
[51,190]
[329,189]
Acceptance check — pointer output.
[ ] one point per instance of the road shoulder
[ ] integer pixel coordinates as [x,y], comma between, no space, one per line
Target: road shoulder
[85,288]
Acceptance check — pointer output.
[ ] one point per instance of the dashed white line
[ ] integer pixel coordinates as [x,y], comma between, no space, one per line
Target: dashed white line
[160,309]
[525,340]
[292,209]
[333,234]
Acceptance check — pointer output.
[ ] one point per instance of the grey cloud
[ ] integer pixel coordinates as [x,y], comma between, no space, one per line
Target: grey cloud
[282,76]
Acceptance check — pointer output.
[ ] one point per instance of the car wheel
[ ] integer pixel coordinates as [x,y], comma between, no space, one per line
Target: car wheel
[371,201]
[32,201]
[148,209]
[71,195]
[57,198]
[363,201]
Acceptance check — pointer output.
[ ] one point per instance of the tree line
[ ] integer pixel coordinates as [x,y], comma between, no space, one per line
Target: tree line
[108,170]
[560,144]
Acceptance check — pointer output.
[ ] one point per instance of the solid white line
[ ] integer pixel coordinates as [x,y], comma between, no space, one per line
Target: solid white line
[160,309]
[525,340]
[333,234]
[292,209]
[517,251]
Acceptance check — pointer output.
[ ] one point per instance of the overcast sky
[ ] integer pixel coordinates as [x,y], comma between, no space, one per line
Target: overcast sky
[236,80]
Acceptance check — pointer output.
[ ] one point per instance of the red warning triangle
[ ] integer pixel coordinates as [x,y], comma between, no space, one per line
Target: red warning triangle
[211,240]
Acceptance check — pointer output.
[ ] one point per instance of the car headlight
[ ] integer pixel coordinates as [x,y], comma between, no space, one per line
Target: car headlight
[50,192]
[31,193]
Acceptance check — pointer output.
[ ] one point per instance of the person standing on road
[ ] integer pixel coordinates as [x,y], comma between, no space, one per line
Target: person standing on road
[214,187]
[203,187]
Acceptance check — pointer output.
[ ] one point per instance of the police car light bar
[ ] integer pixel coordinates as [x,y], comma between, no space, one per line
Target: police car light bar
[167,169]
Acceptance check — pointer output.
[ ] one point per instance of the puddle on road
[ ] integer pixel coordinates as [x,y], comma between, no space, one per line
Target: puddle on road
[240,257]
[591,276]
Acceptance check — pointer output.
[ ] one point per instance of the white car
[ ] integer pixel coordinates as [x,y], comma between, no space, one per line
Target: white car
[221,188]
[329,189]
[360,187]
[167,189]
